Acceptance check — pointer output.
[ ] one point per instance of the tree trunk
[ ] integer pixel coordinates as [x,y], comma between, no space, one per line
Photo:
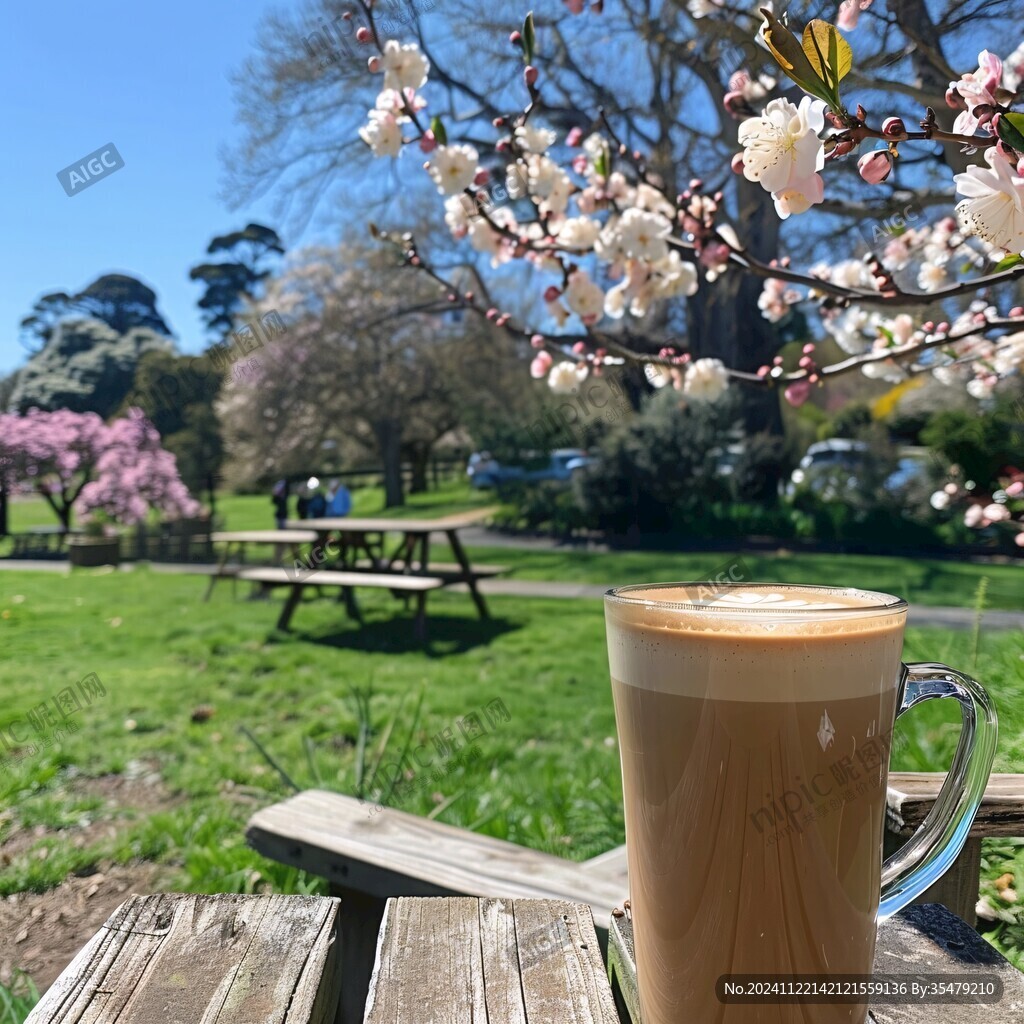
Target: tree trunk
[725,320]
[389,446]
[419,457]
[3,507]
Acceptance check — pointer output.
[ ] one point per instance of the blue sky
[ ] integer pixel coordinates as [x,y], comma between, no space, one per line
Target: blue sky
[153,78]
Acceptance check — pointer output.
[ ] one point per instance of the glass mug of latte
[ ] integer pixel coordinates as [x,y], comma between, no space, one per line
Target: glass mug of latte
[754,729]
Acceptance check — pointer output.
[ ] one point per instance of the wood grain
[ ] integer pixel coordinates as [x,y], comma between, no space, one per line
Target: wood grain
[451,961]
[918,940]
[911,795]
[189,959]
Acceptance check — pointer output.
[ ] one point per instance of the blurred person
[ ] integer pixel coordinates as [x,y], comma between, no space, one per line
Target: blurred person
[279,499]
[339,500]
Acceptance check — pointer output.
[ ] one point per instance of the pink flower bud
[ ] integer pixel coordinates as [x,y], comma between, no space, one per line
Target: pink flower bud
[875,167]
[808,348]
[373,64]
[551,293]
[1017,311]
[798,392]
[515,38]
[893,126]
[806,362]
[540,365]
[579,163]
[954,100]
[1019,539]
[482,176]
[498,122]
[737,163]
[537,341]
[579,348]
[501,146]
[530,75]
[492,314]
[363,34]
[762,371]
[428,143]
[575,137]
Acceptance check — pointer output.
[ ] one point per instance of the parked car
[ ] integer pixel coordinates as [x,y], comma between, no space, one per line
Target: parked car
[829,468]
[485,471]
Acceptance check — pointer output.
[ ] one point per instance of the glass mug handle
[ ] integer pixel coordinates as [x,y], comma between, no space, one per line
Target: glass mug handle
[926,856]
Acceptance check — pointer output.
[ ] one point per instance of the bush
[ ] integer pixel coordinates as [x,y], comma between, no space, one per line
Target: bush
[656,474]
[761,468]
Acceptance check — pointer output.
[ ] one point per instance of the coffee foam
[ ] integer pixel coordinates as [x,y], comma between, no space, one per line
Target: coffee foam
[762,643]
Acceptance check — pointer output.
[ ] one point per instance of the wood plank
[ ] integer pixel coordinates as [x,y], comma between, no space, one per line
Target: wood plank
[911,795]
[394,853]
[279,576]
[450,961]
[382,524]
[265,537]
[191,959]
[919,940]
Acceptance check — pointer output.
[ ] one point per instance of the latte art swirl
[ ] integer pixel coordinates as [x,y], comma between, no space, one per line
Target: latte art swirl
[762,600]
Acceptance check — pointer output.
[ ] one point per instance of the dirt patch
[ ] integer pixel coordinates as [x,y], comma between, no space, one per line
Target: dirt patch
[40,933]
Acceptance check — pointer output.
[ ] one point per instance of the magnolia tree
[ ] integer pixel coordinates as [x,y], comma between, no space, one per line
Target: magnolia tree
[938,298]
[80,464]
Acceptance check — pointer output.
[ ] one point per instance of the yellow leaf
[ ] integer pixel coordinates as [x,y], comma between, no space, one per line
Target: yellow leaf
[786,49]
[827,52]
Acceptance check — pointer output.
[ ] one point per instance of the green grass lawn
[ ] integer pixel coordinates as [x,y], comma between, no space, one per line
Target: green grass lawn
[183,678]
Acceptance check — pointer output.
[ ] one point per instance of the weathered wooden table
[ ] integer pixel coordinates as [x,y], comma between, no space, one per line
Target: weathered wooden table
[361,545]
[236,541]
[183,959]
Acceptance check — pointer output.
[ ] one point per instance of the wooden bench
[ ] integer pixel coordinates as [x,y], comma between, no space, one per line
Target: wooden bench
[417,586]
[449,571]
[368,856]
[185,959]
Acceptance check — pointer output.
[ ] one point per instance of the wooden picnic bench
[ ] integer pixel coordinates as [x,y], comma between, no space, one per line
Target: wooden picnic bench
[230,959]
[236,541]
[368,856]
[414,585]
[362,546]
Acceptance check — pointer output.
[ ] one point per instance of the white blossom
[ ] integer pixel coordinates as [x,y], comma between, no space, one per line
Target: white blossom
[584,297]
[565,377]
[533,139]
[706,380]
[578,233]
[782,151]
[642,234]
[931,277]
[404,67]
[383,134]
[453,168]
[994,207]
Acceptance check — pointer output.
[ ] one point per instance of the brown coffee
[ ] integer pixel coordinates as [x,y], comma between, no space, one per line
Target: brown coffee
[754,740]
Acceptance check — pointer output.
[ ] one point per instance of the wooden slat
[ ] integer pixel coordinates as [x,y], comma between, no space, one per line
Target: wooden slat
[188,959]
[354,524]
[911,795]
[919,940]
[330,578]
[265,537]
[393,853]
[453,961]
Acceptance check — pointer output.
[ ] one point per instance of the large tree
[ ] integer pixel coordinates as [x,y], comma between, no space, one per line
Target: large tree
[120,301]
[663,92]
[85,366]
[369,355]
[232,282]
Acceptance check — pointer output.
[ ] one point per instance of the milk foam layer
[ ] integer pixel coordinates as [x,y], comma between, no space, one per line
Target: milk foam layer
[756,643]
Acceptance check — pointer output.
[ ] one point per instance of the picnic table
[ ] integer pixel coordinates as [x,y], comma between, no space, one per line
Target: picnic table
[360,545]
[236,541]
[232,959]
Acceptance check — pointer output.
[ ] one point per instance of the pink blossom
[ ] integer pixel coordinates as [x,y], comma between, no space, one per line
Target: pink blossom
[1015,489]
[1019,539]
[541,365]
[974,517]
[977,88]
[797,393]
[849,12]
[575,6]
[875,167]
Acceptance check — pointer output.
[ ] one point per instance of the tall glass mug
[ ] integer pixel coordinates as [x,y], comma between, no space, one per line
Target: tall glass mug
[754,724]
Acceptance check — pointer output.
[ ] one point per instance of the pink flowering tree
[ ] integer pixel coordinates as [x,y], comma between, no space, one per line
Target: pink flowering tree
[82,465]
[620,248]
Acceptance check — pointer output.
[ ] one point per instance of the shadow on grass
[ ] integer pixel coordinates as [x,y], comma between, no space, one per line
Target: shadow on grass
[446,635]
